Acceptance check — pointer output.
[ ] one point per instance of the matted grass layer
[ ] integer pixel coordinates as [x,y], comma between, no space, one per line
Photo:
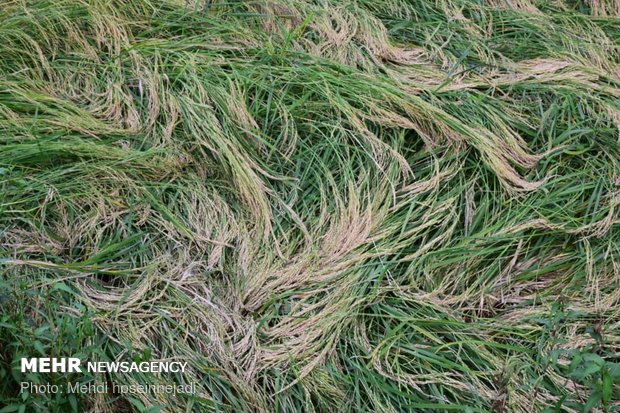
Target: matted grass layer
[355,206]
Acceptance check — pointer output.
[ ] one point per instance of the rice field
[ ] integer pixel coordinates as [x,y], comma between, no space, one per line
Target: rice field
[320,206]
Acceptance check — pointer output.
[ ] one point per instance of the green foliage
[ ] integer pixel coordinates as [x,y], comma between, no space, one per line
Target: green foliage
[50,331]
[595,369]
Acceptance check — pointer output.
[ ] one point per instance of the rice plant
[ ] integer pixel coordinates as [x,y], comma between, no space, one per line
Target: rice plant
[320,206]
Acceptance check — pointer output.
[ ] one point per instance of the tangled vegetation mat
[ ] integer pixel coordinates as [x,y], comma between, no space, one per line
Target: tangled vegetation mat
[320,206]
